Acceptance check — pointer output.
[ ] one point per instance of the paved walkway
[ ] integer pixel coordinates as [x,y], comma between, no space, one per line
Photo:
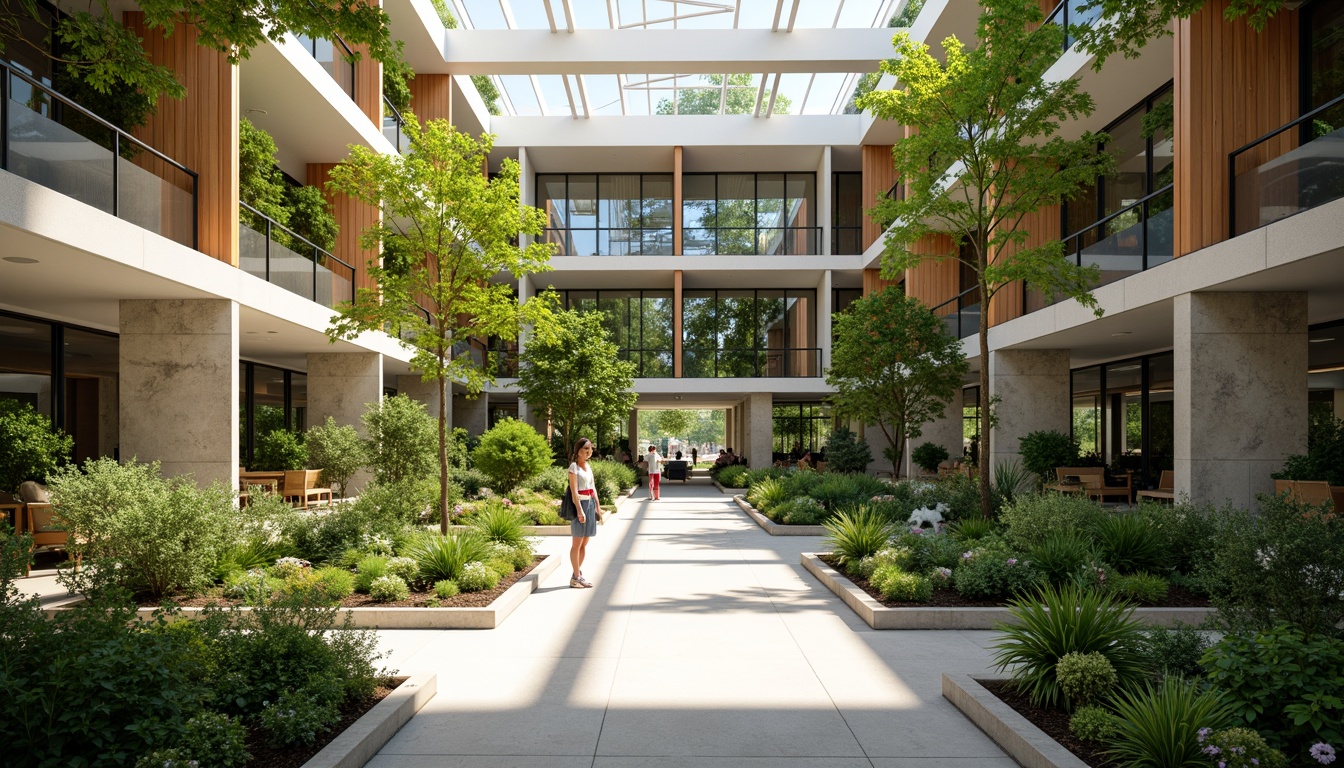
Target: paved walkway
[703,644]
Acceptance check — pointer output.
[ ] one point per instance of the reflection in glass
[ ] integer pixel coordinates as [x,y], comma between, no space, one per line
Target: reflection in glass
[91,401]
[25,364]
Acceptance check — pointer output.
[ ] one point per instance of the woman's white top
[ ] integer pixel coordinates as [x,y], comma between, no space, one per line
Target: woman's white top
[655,464]
[585,476]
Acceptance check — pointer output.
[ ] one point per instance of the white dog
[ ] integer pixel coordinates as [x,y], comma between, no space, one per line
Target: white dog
[934,517]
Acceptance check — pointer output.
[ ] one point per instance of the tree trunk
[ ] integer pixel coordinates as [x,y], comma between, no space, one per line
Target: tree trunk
[986,507]
[897,455]
[443,453]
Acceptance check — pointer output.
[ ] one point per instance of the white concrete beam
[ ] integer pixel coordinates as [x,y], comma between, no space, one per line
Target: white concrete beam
[700,51]
[673,130]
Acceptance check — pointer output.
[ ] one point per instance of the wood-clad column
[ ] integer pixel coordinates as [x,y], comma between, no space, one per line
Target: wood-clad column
[352,217]
[432,97]
[199,131]
[1041,226]
[1232,85]
[676,323]
[934,282]
[368,85]
[678,198]
[878,176]
[873,282]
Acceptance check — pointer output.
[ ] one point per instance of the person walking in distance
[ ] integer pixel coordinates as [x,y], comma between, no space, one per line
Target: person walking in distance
[655,473]
[583,492]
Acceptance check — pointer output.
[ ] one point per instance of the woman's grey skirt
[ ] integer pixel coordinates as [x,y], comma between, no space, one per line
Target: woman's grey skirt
[588,528]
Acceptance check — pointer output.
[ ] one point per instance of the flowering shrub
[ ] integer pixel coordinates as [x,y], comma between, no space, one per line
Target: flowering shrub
[215,741]
[297,717]
[389,589]
[1239,748]
[167,758]
[287,567]
[404,568]
[1322,753]
[989,574]
[476,577]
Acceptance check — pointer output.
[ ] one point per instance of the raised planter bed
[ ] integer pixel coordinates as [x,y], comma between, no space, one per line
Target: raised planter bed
[357,744]
[776,529]
[1024,742]
[730,491]
[879,616]
[549,530]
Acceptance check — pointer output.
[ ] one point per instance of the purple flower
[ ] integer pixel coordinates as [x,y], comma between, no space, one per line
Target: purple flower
[966,555]
[1255,761]
[917,531]
[1012,561]
[1323,753]
[1211,750]
[1202,734]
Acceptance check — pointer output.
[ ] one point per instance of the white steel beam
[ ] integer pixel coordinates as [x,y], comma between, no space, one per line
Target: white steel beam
[774,92]
[760,94]
[663,131]
[583,96]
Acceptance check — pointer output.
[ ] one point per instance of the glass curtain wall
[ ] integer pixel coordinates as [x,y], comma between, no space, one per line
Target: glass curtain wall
[269,399]
[640,323]
[846,213]
[970,422]
[749,334]
[607,214]
[1124,417]
[800,427]
[769,214]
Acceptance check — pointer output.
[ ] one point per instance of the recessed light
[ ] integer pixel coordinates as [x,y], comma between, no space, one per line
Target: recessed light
[272,331]
[256,112]
[20,260]
[1122,333]
[1319,341]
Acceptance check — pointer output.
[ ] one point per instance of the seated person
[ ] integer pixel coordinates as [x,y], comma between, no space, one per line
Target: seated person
[722,460]
[677,456]
[806,462]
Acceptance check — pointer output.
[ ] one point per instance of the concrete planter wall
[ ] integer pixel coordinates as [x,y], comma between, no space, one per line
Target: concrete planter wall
[361,741]
[775,529]
[1024,742]
[879,616]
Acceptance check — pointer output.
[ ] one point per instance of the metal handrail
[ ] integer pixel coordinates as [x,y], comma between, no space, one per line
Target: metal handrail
[401,121]
[272,225]
[1111,217]
[118,135]
[1234,154]
[311,47]
[955,298]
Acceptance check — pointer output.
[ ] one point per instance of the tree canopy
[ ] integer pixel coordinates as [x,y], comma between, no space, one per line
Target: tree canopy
[436,201]
[989,120]
[576,375]
[739,100]
[894,366]
[1129,24]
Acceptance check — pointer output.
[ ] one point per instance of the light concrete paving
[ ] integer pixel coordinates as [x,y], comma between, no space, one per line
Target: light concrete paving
[704,644]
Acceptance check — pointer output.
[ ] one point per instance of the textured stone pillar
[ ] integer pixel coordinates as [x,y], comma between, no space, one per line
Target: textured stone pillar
[427,392]
[1241,392]
[342,385]
[1034,387]
[632,433]
[179,386]
[760,429]
[945,431]
[473,414]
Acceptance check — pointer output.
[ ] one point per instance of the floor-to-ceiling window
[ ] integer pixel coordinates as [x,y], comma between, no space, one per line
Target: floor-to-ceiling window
[1124,417]
[800,427]
[847,212]
[640,323]
[749,333]
[750,213]
[269,399]
[607,214]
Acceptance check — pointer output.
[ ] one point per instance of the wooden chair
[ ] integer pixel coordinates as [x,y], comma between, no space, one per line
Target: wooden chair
[1091,481]
[1166,488]
[1312,492]
[301,485]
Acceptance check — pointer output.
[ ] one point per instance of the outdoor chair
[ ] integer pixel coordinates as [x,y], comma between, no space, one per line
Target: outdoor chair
[300,485]
[1166,488]
[1090,481]
[1312,492]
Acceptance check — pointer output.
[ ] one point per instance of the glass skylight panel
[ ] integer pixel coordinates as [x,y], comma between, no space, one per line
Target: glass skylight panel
[792,88]
[553,91]
[524,99]
[604,95]
[482,14]
[531,14]
[822,97]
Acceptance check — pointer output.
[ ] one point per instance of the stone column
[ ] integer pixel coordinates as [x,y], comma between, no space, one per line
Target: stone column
[473,414]
[945,431]
[759,433]
[342,385]
[1034,387]
[1240,392]
[632,433]
[427,392]
[178,389]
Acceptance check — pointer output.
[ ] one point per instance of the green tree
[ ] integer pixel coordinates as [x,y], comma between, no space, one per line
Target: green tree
[576,376]
[708,427]
[436,201]
[400,446]
[1130,24]
[739,100]
[894,366]
[673,422]
[337,450]
[511,452]
[986,154]
[30,448]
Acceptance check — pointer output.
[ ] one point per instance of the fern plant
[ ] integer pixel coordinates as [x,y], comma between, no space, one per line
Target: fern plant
[442,557]
[857,533]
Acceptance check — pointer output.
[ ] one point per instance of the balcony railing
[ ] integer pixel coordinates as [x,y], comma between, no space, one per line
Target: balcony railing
[1134,238]
[759,241]
[1284,172]
[795,362]
[846,241]
[1073,13]
[961,313]
[329,55]
[50,140]
[282,257]
[394,127]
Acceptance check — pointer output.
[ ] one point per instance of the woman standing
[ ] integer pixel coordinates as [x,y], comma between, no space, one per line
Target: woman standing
[584,494]
[655,473]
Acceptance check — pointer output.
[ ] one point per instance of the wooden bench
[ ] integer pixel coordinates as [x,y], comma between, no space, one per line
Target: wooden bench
[1166,488]
[1312,492]
[301,485]
[1091,481]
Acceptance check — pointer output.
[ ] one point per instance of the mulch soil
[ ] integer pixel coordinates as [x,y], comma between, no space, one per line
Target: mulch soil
[264,754]
[947,597]
[1054,722]
[417,598]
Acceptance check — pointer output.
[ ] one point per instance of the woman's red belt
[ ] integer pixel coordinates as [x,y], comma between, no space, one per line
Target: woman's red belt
[587,492]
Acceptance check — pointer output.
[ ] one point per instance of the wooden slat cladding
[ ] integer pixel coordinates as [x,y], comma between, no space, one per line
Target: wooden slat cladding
[678,200]
[878,176]
[369,85]
[873,282]
[200,131]
[432,97]
[353,217]
[934,282]
[1041,227]
[1232,85]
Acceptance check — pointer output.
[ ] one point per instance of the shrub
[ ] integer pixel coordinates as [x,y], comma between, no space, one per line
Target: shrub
[971,529]
[252,587]
[1093,724]
[1324,459]
[443,557]
[30,448]
[1286,564]
[375,516]
[445,588]
[1061,555]
[1241,748]
[1084,678]
[250,554]
[803,511]
[296,718]
[552,482]
[1056,621]
[1131,542]
[389,506]
[1044,450]
[215,741]
[389,589]
[476,577]
[1032,519]
[845,452]
[369,570]
[1159,727]
[1283,683]
[1140,587]
[836,491]
[768,494]
[733,477]
[496,522]
[167,758]
[1191,532]
[334,583]
[338,451]
[473,480]
[1175,650]
[994,574]
[927,456]
[510,452]
[279,450]
[619,475]
[855,534]
[895,584]
[403,442]
[921,552]
[404,568]
[150,533]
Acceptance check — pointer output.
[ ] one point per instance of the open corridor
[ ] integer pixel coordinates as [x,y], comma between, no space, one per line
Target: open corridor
[703,643]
